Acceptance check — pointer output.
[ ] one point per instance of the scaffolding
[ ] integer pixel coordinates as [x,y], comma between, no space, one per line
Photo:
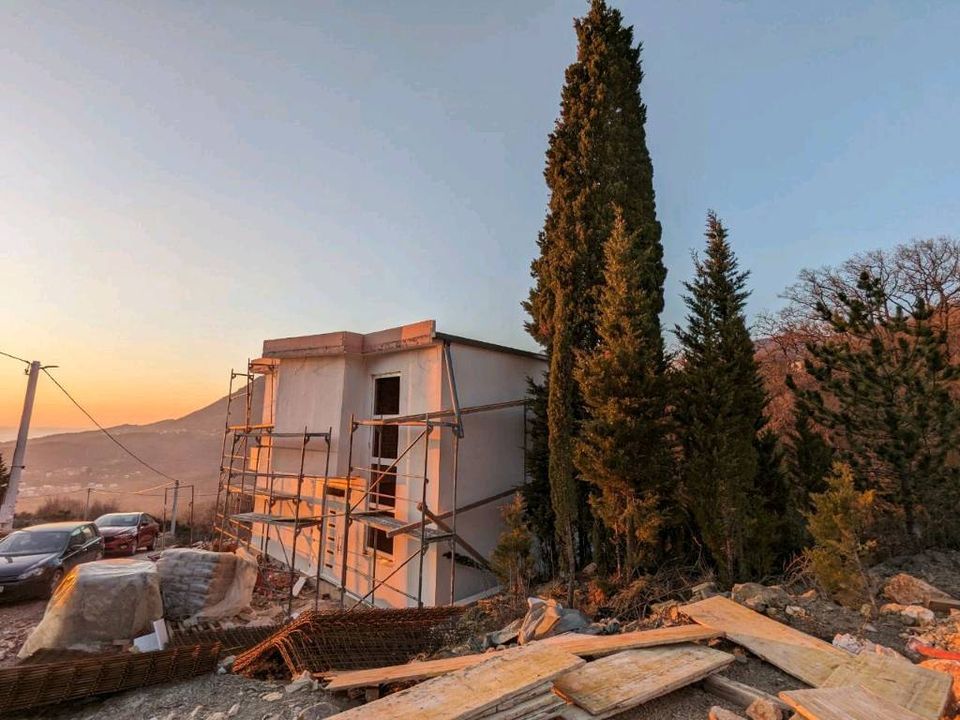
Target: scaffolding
[248,472]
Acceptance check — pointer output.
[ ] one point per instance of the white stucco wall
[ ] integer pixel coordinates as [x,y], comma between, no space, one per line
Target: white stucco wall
[491,454]
[320,392]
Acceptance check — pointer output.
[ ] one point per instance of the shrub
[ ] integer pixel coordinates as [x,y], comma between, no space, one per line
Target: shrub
[838,524]
[512,558]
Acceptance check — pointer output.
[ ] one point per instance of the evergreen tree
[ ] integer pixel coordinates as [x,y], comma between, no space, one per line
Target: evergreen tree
[720,403]
[809,459]
[596,159]
[538,511]
[883,390]
[623,445]
[774,524]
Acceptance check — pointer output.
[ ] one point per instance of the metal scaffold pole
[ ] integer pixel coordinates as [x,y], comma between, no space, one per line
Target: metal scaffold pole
[346,516]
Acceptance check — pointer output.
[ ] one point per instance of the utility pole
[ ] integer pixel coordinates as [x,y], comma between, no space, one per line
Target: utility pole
[86,506]
[173,510]
[20,450]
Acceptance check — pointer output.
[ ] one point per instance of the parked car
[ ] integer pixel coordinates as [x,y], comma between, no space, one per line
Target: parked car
[125,533]
[34,560]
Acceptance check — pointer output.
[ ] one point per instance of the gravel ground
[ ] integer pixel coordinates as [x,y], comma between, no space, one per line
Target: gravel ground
[209,697]
[16,622]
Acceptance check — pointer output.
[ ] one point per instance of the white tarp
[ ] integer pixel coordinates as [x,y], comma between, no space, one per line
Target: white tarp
[98,603]
[204,585]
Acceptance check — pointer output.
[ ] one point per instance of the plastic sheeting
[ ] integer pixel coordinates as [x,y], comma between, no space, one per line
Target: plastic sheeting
[98,603]
[203,585]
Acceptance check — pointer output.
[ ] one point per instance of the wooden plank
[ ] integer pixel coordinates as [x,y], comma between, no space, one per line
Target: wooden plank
[573,643]
[599,645]
[468,693]
[738,693]
[943,604]
[922,691]
[622,681]
[803,656]
[846,703]
[534,706]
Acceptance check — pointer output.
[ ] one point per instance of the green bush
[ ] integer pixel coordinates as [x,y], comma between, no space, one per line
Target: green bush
[838,524]
[512,558]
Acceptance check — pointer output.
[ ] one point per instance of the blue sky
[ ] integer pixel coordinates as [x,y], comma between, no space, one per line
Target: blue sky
[179,181]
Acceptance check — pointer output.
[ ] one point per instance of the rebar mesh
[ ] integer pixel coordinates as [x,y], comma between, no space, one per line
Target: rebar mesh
[350,640]
[29,686]
[232,640]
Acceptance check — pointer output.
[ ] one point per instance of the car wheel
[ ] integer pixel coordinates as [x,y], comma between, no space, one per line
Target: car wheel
[133,548]
[153,544]
[55,581]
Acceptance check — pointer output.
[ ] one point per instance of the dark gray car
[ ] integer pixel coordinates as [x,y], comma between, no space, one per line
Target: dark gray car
[34,560]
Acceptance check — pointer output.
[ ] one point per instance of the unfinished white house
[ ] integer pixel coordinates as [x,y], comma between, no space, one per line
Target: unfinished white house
[381,461]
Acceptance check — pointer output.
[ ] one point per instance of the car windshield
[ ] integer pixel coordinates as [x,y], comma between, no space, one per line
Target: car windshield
[34,542]
[127,520]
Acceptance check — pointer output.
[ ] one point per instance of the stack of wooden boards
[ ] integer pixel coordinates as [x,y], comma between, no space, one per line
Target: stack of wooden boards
[871,686]
[551,679]
[545,679]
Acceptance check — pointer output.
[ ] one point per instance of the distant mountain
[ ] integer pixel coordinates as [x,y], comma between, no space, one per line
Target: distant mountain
[187,448]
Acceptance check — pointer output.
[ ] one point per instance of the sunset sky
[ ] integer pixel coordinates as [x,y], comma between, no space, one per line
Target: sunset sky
[179,181]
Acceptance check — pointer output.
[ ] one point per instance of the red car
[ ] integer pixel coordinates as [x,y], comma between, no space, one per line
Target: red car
[125,533]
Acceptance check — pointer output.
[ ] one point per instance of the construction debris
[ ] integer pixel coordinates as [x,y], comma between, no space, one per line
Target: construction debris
[548,617]
[98,604]
[857,646]
[898,681]
[626,679]
[318,641]
[202,585]
[737,693]
[805,657]
[231,640]
[513,684]
[573,643]
[30,686]
[844,704]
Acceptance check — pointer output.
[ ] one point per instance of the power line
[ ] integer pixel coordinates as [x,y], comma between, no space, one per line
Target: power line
[14,357]
[106,432]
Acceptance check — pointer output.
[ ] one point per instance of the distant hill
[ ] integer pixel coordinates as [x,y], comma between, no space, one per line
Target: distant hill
[187,448]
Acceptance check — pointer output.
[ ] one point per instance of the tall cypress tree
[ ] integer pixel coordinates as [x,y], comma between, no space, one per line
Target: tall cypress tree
[596,159]
[623,448]
[720,403]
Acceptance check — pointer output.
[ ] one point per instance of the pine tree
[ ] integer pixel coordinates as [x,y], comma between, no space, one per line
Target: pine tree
[884,384]
[774,520]
[623,446]
[809,458]
[720,403]
[596,159]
